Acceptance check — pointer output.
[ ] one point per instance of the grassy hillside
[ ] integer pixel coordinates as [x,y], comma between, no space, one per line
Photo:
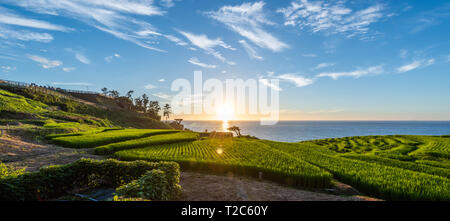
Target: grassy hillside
[64,107]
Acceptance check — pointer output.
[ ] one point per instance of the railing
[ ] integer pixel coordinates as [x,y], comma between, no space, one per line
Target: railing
[22,85]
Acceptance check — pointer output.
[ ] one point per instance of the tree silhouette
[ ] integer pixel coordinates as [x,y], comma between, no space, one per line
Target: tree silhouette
[145,102]
[154,108]
[129,94]
[104,91]
[167,111]
[236,130]
[114,93]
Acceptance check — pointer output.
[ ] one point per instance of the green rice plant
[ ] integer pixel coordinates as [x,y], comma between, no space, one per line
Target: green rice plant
[147,141]
[402,164]
[239,155]
[387,182]
[441,164]
[107,137]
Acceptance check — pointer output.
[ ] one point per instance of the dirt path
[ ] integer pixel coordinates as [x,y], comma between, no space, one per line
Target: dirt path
[196,186]
[23,154]
[205,187]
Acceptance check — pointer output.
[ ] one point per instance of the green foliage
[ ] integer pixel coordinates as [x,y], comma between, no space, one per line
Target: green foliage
[153,185]
[242,156]
[54,181]
[15,103]
[147,141]
[25,100]
[6,171]
[106,137]
[402,164]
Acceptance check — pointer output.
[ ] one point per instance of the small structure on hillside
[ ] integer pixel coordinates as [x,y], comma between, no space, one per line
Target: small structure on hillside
[215,134]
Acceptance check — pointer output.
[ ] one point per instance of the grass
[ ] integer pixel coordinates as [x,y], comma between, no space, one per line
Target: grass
[147,141]
[242,156]
[370,164]
[103,138]
[386,182]
[10,102]
[402,164]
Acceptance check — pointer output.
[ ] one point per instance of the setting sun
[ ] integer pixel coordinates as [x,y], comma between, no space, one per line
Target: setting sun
[225,112]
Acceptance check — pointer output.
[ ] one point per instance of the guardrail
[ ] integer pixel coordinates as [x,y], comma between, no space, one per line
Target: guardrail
[42,88]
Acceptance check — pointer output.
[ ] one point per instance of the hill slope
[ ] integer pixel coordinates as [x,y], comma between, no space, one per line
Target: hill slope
[37,103]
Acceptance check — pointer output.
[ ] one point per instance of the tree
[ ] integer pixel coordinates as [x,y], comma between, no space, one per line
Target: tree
[176,124]
[167,111]
[104,91]
[145,102]
[114,93]
[236,130]
[129,94]
[154,108]
[138,104]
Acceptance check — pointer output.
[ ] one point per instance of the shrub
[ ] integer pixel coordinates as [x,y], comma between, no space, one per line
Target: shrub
[152,185]
[54,181]
[6,171]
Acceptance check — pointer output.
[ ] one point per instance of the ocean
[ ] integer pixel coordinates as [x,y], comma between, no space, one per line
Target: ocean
[292,131]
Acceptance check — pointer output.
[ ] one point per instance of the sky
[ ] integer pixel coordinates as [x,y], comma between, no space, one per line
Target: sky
[335,60]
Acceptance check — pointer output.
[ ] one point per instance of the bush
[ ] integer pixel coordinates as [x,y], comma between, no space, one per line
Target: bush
[5,171]
[152,185]
[54,181]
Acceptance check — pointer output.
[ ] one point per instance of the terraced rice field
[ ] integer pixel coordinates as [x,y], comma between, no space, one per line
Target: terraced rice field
[239,155]
[390,167]
[166,138]
[89,140]
[374,178]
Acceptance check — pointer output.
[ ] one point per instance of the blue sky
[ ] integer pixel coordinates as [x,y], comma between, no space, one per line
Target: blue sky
[336,60]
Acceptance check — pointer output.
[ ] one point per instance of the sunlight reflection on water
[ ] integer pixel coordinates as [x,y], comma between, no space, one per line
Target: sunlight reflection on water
[225,126]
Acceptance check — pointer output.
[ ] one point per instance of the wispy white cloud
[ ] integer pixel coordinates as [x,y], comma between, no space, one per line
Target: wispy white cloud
[162,80]
[195,61]
[209,45]
[323,65]
[331,17]
[250,50]
[268,83]
[415,64]
[10,18]
[356,73]
[298,80]
[82,58]
[176,40]
[110,58]
[205,43]
[149,86]
[248,21]
[44,62]
[121,18]
[24,35]
[162,95]
[68,69]
[7,69]
[167,3]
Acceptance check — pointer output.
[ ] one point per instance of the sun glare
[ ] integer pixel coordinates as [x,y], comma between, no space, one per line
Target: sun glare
[225,112]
